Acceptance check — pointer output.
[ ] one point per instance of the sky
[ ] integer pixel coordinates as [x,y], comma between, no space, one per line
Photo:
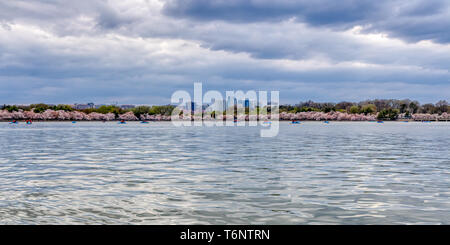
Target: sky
[141,51]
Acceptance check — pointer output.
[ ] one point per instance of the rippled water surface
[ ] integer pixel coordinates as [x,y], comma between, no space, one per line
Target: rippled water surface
[311,173]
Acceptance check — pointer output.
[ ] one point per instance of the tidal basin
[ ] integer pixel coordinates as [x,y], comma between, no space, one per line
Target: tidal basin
[155,173]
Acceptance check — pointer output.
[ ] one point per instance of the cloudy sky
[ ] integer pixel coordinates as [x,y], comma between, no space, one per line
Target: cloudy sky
[141,51]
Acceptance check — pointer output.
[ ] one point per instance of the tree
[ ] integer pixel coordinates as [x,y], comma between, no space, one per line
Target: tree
[414,107]
[369,109]
[344,105]
[161,110]
[428,108]
[10,108]
[390,114]
[354,109]
[442,106]
[62,107]
[141,110]
[39,108]
[105,109]
[403,107]
[407,114]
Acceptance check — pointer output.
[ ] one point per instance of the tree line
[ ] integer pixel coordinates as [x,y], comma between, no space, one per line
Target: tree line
[165,110]
[384,108]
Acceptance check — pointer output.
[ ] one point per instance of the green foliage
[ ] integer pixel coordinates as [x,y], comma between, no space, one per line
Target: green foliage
[287,108]
[62,107]
[305,109]
[10,108]
[39,108]
[105,109]
[162,110]
[390,114]
[140,110]
[328,109]
[407,114]
[369,109]
[154,110]
[295,110]
[257,109]
[354,109]
[403,107]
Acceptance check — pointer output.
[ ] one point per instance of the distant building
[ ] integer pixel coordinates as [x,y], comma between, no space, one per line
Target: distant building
[83,106]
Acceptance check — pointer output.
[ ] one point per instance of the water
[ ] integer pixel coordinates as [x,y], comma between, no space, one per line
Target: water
[312,173]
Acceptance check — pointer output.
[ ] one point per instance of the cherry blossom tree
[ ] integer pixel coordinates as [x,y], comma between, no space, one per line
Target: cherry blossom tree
[128,116]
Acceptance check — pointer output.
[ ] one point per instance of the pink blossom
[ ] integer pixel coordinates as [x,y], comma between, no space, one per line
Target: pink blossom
[128,116]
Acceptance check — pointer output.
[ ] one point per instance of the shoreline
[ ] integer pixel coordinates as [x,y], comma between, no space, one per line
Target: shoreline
[281,120]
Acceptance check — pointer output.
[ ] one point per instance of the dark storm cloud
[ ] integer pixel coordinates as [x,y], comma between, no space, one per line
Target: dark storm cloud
[59,51]
[321,12]
[59,15]
[410,20]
